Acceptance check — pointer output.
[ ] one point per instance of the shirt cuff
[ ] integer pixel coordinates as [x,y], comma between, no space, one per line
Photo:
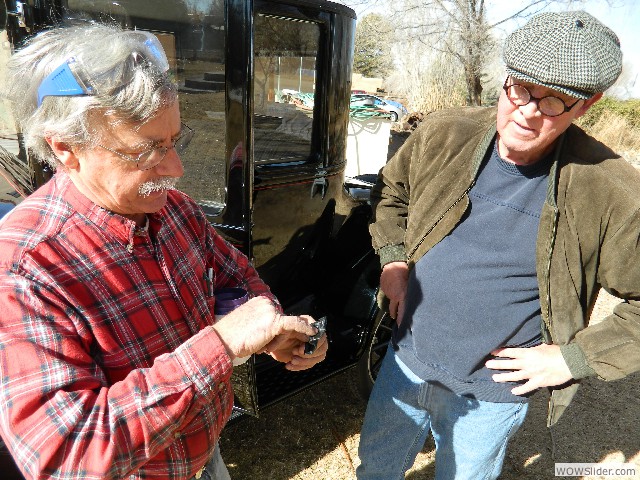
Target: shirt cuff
[392,253]
[206,362]
[576,361]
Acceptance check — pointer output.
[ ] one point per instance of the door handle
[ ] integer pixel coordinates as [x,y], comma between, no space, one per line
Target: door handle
[319,184]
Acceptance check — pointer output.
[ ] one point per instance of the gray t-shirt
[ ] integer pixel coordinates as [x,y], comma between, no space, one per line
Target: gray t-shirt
[477,289]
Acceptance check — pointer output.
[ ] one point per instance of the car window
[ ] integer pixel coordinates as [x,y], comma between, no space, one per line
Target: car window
[284,86]
[193,36]
[8,134]
[14,172]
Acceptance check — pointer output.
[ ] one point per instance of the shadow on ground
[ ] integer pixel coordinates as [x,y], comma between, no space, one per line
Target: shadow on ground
[603,423]
[312,430]
[314,436]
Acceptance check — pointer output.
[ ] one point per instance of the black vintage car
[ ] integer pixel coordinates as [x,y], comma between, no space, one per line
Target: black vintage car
[266,87]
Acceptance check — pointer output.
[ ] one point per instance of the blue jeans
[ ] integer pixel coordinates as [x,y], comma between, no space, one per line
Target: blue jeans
[215,469]
[470,435]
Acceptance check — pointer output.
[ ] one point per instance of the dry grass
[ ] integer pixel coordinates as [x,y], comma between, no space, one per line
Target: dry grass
[440,86]
[619,133]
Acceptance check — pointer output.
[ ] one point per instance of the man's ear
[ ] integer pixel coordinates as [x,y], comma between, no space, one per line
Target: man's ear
[64,152]
[587,104]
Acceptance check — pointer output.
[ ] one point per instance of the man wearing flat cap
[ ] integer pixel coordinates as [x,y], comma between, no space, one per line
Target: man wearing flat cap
[496,228]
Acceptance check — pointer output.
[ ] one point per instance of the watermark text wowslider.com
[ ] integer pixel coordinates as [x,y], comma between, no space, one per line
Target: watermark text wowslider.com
[601,469]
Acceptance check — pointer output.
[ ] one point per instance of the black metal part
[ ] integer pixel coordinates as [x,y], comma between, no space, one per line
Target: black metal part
[311,346]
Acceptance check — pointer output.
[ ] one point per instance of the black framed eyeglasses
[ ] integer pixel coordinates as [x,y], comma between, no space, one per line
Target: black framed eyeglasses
[154,156]
[551,106]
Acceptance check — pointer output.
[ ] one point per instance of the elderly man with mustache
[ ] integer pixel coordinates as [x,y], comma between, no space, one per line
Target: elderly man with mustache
[112,360]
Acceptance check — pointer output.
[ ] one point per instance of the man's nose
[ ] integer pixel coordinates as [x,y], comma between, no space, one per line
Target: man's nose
[171,165]
[531,109]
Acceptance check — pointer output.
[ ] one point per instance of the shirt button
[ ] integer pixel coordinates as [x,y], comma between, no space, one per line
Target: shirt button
[177,434]
[221,386]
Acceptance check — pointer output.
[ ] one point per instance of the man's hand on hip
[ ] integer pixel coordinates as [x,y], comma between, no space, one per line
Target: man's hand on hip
[393,282]
[541,366]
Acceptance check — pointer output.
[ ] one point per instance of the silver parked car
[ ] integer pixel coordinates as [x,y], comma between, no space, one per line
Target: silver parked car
[396,110]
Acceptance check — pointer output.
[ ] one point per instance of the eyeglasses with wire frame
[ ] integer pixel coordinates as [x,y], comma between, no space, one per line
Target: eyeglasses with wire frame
[551,106]
[154,156]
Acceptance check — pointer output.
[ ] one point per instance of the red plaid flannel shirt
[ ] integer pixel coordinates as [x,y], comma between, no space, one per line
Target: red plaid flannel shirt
[109,366]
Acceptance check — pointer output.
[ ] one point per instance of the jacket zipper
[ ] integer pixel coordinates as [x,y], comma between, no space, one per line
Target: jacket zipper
[478,155]
[444,214]
[546,326]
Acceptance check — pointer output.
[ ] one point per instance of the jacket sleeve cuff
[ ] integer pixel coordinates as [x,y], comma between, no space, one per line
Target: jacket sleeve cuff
[576,361]
[392,253]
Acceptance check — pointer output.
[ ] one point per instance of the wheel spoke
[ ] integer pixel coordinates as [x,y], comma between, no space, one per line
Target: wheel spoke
[375,367]
[386,328]
[377,349]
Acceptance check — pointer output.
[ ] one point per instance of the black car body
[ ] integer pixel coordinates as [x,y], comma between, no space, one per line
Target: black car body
[266,165]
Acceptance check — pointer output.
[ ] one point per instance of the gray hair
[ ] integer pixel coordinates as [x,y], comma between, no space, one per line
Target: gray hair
[74,119]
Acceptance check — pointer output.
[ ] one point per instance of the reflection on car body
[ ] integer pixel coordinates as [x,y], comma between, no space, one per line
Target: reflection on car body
[395,109]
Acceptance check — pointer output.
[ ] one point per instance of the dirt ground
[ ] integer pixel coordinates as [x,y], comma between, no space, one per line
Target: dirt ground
[315,435]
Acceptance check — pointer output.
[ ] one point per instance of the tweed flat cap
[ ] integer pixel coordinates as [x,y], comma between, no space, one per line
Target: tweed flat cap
[571,52]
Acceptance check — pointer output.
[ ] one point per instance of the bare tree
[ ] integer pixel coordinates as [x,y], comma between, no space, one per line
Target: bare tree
[459,29]
[468,41]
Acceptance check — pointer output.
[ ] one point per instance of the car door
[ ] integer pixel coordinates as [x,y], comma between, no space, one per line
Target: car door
[309,238]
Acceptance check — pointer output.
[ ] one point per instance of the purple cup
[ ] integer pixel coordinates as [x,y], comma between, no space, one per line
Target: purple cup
[228,299]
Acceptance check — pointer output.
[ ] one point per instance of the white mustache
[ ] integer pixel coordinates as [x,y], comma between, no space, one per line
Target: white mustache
[165,183]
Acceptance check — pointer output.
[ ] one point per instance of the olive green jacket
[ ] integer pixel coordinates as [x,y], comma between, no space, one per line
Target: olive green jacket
[589,233]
